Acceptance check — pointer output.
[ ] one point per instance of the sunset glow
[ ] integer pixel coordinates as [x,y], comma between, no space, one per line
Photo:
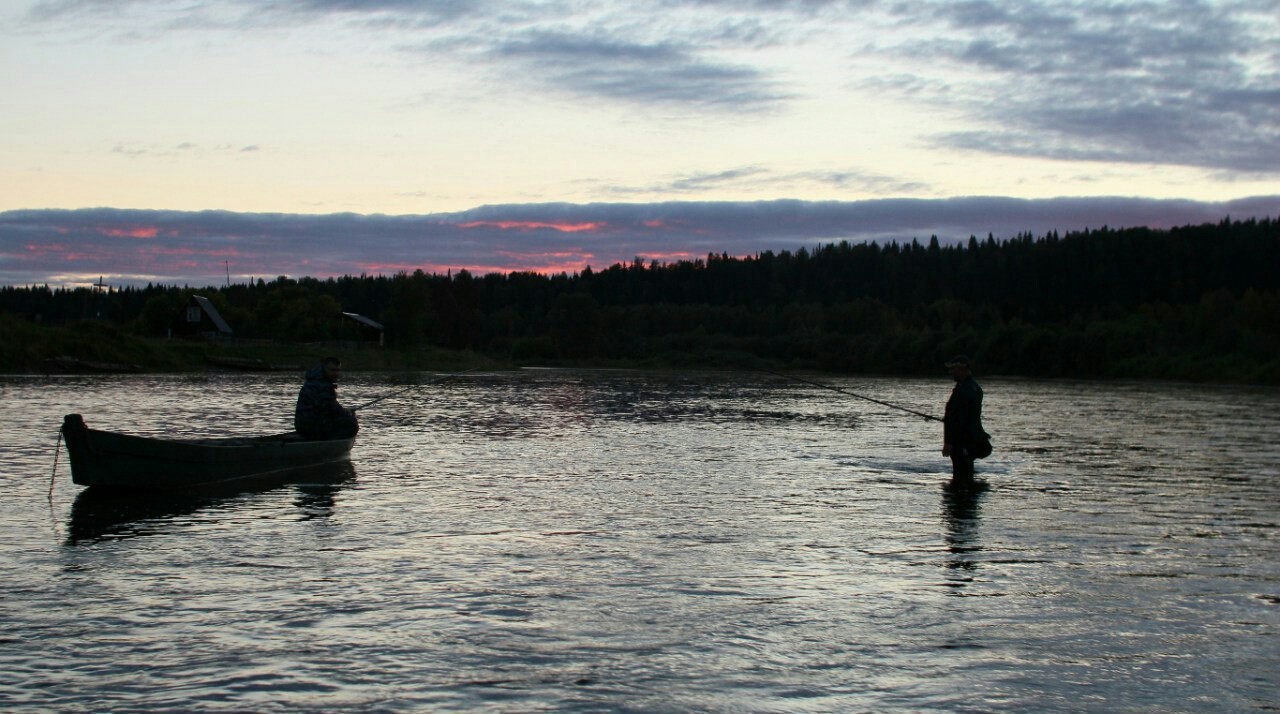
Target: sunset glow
[534,225]
[129,232]
[201,247]
[548,136]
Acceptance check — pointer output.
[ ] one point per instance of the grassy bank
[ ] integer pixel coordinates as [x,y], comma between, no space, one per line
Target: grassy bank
[34,349]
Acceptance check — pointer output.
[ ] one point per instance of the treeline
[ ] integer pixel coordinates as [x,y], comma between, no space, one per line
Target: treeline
[1196,302]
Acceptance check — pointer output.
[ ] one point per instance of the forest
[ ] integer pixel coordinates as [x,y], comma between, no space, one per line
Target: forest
[1194,302]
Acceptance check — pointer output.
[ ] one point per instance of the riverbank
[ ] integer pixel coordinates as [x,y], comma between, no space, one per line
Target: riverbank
[93,346]
[101,347]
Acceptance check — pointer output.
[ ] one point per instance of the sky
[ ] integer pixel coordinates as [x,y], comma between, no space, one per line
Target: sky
[181,141]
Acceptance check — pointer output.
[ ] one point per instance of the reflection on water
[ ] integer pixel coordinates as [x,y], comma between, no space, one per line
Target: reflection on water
[581,541]
[317,499]
[111,514]
[961,514]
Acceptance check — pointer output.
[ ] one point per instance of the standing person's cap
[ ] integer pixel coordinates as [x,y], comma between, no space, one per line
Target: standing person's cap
[957,361]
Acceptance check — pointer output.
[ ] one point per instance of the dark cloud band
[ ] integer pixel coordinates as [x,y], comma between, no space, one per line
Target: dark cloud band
[136,246]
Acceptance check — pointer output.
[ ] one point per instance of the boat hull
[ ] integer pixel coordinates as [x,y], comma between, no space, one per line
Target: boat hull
[110,460]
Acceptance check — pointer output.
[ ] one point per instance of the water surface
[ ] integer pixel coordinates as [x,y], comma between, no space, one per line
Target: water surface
[588,541]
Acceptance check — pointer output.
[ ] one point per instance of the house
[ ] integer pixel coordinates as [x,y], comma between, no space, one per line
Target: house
[202,320]
[367,331]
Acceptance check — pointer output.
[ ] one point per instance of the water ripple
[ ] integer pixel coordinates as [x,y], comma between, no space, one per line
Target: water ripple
[635,542]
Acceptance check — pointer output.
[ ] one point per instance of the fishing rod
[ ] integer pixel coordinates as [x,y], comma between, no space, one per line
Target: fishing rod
[929,417]
[437,380]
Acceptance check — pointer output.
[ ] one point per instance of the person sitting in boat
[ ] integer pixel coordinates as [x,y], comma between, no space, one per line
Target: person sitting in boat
[318,415]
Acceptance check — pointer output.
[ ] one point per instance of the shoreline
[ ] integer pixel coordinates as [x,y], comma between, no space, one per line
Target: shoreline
[102,348]
[655,369]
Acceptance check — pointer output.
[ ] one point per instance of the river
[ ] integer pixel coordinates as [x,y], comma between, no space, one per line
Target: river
[625,541]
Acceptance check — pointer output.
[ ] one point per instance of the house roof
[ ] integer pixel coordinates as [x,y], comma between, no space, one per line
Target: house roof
[363,320]
[212,312]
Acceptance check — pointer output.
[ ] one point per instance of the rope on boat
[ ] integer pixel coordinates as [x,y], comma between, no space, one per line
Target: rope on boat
[54,478]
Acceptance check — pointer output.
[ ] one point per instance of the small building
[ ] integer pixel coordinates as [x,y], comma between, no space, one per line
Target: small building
[202,319]
[367,331]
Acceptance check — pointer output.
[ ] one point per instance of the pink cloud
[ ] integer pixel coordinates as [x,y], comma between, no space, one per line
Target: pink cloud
[61,251]
[535,225]
[578,254]
[43,248]
[215,253]
[130,232]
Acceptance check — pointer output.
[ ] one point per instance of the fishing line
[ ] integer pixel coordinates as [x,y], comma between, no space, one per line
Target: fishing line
[412,386]
[928,417]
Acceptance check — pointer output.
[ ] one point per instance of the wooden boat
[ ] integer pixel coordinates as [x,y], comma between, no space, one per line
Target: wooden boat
[108,459]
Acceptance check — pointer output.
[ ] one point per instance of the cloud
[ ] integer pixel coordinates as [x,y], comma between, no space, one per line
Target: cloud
[143,19]
[859,180]
[174,247]
[696,182]
[135,150]
[1189,83]
[760,178]
[657,73]
[597,50]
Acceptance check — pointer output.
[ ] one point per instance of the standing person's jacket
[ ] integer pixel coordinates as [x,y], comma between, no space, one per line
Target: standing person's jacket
[962,422]
[318,414]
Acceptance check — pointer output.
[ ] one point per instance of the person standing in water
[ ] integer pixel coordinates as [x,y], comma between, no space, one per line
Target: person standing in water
[318,416]
[963,438]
